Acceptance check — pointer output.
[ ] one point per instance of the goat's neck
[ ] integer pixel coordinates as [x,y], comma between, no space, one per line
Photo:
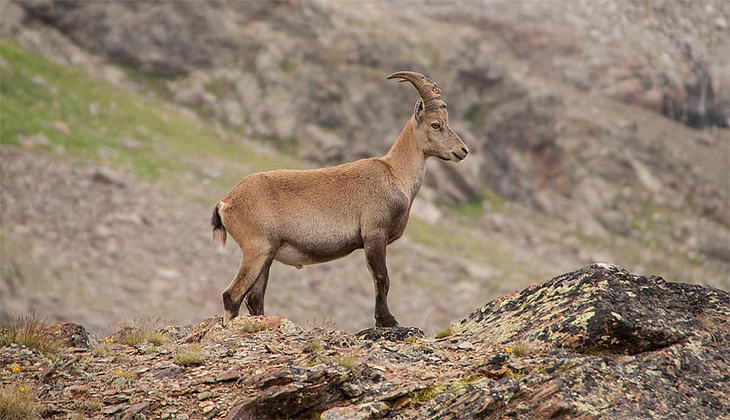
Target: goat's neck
[407,162]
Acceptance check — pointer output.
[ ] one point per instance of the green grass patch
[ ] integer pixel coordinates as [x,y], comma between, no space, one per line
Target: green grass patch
[496,201]
[475,115]
[456,241]
[472,209]
[288,145]
[446,332]
[106,124]
[154,83]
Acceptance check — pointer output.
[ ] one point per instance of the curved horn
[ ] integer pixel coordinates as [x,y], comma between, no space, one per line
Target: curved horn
[430,93]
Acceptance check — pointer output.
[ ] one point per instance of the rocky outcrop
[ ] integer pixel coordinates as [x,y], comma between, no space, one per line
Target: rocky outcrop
[597,343]
[603,309]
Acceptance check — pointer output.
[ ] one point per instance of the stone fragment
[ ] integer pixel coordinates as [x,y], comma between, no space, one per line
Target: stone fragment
[132,411]
[113,409]
[351,390]
[465,345]
[204,395]
[320,389]
[367,411]
[232,375]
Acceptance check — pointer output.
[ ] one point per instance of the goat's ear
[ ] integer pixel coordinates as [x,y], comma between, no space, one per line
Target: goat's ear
[418,111]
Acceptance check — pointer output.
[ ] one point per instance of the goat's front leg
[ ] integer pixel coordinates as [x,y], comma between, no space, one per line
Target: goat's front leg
[375,256]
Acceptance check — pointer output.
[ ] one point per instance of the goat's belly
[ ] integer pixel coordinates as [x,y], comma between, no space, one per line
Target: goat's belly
[291,255]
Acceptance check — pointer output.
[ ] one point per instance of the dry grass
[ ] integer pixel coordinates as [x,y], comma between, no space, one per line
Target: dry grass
[102,350]
[315,346]
[349,362]
[521,349]
[254,327]
[191,355]
[18,402]
[140,331]
[30,332]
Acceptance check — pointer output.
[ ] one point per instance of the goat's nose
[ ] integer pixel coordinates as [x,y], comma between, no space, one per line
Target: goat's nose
[465,150]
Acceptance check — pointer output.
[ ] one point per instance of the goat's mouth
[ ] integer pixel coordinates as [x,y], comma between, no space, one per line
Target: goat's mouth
[457,158]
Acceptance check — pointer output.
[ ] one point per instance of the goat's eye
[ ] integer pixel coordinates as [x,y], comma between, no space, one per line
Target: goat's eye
[435,126]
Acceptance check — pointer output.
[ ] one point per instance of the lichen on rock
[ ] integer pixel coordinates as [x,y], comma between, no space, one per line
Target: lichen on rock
[596,343]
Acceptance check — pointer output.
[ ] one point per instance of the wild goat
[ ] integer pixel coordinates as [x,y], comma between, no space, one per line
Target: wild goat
[301,217]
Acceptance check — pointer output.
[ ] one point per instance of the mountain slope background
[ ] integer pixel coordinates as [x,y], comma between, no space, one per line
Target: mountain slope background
[597,134]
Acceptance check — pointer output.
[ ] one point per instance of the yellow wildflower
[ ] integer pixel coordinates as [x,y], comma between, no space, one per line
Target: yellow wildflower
[119,372]
[109,340]
[22,389]
[88,358]
[15,368]
[508,349]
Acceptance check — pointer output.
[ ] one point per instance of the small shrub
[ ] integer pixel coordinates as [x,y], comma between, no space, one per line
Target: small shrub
[150,350]
[253,327]
[512,375]
[411,339]
[30,332]
[326,324]
[315,346]
[521,349]
[446,332]
[349,362]
[18,402]
[191,355]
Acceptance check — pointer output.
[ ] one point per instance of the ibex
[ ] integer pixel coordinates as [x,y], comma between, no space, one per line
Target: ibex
[301,217]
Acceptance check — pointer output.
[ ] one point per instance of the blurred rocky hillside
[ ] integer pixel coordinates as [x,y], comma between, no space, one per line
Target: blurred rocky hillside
[598,131]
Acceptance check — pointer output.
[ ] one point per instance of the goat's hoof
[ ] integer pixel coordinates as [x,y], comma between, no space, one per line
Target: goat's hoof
[387,321]
[227,317]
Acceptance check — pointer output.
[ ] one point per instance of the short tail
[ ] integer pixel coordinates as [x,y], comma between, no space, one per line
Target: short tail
[217,223]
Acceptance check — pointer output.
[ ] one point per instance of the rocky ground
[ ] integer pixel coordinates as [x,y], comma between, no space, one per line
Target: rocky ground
[597,343]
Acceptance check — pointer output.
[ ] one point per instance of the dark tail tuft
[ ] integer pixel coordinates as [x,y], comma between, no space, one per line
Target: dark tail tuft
[217,223]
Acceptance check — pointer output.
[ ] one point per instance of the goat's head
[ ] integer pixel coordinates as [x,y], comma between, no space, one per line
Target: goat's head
[431,120]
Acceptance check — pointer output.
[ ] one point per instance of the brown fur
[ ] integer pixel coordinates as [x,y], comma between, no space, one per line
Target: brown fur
[302,217]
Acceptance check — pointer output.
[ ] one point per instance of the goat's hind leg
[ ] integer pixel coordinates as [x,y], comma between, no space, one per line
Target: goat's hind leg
[255,298]
[254,263]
